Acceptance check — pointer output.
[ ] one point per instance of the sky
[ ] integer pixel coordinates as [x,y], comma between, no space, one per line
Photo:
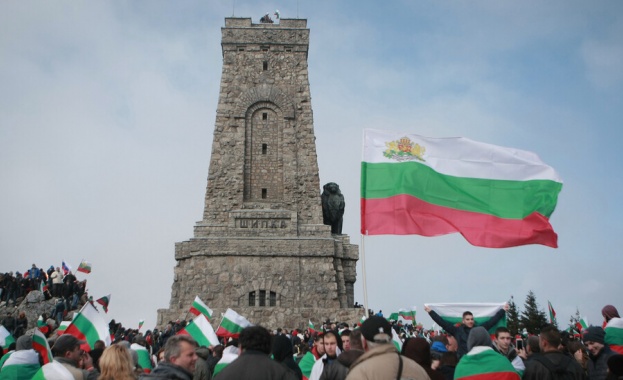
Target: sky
[107,112]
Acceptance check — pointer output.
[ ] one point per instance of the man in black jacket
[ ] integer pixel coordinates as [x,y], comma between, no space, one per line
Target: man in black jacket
[551,363]
[461,333]
[254,362]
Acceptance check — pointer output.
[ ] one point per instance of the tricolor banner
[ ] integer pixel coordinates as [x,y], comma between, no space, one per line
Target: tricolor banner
[144,358]
[40,344]
[494,196]
[198,307]
[6,338]
[552,313]
[66,268]
[104,301]
[90,326]
[232,324]
[84,267]
[202,331]
[453,312]
[407,315]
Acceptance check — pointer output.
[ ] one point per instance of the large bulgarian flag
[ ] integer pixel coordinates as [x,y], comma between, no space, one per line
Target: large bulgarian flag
[6,338]
[40,344]
[232,324]
[483,363]
[198,307]
[614,335]
[494,196]
[202,331]
[90,326]
[453,312]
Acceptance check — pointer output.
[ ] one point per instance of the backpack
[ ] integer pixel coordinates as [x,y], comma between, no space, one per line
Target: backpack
[561,371]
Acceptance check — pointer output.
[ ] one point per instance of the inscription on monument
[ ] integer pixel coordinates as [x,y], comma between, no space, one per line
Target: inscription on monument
[262,223]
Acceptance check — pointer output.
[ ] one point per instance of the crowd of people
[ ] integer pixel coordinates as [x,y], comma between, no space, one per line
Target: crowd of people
[54,283]
[377,349]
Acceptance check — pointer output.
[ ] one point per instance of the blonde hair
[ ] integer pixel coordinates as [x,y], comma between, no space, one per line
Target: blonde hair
[116,364]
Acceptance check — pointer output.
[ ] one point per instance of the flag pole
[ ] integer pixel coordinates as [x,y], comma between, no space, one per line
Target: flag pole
[363,268]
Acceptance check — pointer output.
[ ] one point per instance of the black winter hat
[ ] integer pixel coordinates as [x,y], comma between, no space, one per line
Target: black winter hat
[594,334]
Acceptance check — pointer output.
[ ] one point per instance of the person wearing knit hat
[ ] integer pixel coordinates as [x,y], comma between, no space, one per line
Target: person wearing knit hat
[23,363]
[599,352]
[381,359]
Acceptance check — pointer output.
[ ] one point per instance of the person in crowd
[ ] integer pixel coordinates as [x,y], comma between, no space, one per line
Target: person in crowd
[21,325]
[345,336]
[331,351]
[9,322]
[282,353]
[615,367]
[461,333]
[339,369]
[254,361]
[419,350]
[447,364]
[551,360]
[612,320]
[116,364]
[202,369]
[217,354]
[381,360]
[179,360]
[23,363]
[67,351]
[599,352]
[482,359]
[318,349]
[579,353]
[502,345]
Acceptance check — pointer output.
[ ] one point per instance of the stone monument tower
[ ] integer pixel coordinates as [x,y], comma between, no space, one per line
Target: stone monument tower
[261,248]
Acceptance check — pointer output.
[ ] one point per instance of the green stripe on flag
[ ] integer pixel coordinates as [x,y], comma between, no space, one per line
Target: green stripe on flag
[230,326]
[82,327]
[487,364]
[503,198]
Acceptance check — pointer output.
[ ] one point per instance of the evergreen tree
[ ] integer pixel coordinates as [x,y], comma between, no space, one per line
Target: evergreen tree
[532,318]
[512,317]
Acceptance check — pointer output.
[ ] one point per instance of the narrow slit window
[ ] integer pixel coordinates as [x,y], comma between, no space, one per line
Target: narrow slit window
[265,65]
[273,299]
[264,193]
[264,148]
[264,116]
[251,298]
[262,297]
